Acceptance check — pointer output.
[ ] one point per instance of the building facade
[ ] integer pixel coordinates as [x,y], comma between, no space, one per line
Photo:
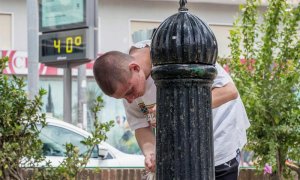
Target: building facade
[121,23]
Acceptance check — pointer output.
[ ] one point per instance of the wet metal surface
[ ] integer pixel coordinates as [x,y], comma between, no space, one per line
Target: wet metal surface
[183,38]
[184,131]
[184,52]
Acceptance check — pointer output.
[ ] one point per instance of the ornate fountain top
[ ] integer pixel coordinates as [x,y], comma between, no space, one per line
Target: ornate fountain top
[182,5]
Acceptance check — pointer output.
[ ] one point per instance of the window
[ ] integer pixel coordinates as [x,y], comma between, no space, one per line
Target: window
[55,138]
[5,31]
[222,33]
[142,30]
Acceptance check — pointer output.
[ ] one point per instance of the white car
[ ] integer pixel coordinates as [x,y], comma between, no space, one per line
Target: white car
[57,133]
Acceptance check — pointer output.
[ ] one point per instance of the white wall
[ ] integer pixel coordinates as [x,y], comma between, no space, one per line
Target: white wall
[115,16]
[18,9]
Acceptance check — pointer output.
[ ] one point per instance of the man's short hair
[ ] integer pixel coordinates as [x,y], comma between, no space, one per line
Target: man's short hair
[110,69]
[139,45]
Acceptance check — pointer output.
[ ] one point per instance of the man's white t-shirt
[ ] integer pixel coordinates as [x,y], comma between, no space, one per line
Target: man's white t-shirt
[230,120]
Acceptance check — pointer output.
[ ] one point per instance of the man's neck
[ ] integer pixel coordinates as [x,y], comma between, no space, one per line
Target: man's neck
[147,68]
[142,56]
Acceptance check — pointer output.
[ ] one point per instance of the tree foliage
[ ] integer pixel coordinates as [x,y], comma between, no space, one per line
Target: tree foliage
[19,142]
[75,162]
[19,136]
[265,50]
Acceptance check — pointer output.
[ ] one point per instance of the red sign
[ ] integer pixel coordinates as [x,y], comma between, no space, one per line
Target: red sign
[18,65]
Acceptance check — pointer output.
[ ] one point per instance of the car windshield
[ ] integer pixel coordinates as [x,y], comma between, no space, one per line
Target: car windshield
[55,138]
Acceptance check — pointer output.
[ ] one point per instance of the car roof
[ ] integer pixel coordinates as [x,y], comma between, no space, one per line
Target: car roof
[61,123]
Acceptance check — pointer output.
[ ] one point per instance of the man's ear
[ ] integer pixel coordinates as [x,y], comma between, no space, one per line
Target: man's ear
[133,66]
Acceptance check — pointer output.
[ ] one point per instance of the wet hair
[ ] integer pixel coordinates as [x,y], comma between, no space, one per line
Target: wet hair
[133,49]
[110,69]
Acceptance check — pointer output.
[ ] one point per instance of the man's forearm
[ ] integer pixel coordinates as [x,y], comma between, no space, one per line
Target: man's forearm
[224,94]
[146,140]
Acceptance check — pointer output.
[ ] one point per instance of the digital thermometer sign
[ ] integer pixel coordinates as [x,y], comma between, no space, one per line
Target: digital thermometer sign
[62,14]
[65,45]
[62,45]
[68,32]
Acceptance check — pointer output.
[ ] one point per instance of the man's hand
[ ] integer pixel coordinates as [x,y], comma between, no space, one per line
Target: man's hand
[150,162]
[152,116]
[146,141]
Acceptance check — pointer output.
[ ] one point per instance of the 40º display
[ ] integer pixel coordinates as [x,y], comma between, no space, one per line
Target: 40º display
[64,46]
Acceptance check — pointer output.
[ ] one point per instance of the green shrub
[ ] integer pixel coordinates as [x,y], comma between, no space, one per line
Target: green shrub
[19,142]
[269,79]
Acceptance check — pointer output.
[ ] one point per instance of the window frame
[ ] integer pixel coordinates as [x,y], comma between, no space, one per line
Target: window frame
[130,40]
[221,24]
[12,28]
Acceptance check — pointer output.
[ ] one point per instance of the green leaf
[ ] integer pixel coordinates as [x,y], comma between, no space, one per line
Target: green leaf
[268,79]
